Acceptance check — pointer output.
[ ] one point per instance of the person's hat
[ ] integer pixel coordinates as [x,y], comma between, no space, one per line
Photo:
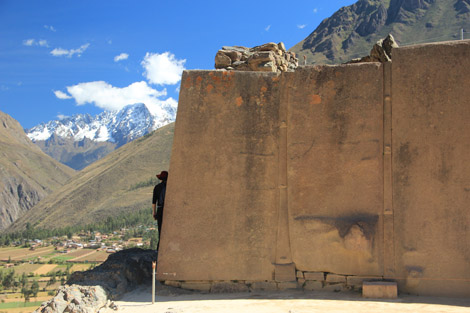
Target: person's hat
[162,175]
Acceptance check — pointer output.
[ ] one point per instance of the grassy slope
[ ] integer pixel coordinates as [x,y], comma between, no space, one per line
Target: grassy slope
[105,187]
[20,157]
[27,175]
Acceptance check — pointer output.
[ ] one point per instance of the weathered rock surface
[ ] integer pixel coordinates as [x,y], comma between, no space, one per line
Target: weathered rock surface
[381,51]
[90,291]
[270,57]
[122,272]
[78,299]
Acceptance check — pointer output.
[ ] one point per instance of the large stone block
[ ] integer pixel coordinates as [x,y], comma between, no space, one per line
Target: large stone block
[263,285]
[228,287]
[431,168]
[334,278]
[313,285]
[379,290]
[335,180]
[288,285]
[318,276]
[198,286]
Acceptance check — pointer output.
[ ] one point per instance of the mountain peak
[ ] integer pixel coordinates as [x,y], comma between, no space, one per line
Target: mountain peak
[352,30]
[120,127]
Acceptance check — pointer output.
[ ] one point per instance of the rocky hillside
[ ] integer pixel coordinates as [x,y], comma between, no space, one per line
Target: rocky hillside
[118,183]
[352,30]
[27,175]
[79,140]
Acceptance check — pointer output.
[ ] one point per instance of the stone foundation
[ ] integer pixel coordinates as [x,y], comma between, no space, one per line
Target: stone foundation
[307,281]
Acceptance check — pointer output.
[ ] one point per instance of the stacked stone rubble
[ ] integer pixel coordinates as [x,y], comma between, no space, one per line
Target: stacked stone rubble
[380,52]
[74,298]
[270,57]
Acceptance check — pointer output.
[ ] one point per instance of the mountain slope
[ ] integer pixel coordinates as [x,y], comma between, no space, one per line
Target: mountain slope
[120,182]
[27,175]
[352,30]
[80,140]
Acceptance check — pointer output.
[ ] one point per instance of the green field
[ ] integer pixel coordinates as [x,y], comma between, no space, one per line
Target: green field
[12,305]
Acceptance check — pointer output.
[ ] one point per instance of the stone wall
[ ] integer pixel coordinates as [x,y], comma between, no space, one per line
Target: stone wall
[347,172]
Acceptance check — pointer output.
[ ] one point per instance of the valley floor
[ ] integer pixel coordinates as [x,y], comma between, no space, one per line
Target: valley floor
[171,300]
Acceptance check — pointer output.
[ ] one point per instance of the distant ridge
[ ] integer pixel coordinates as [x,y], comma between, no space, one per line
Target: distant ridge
[27,175]
[352,31]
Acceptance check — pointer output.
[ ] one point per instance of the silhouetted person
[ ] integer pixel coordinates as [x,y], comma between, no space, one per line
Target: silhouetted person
[158,202]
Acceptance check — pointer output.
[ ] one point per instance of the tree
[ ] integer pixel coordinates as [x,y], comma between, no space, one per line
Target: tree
[26,293]
[35,288]
[52,280]
[153,239]
[8,279]
[23,280]
[16,284]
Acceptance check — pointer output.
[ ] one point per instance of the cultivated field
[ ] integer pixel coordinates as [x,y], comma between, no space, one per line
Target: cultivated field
[44,269]
[18,254]
[97,256]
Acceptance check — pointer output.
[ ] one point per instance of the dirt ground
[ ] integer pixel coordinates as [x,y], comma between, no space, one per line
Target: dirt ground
[171,300]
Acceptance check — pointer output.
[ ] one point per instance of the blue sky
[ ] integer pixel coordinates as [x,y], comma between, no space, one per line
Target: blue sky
[59,58]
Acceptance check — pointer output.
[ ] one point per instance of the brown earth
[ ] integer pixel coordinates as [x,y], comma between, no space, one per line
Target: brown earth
[171,300]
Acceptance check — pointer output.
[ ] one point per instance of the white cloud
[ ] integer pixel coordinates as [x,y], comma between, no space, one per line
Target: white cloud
[267,28]
[108,97]
[43,43]
[34,42]
[49,27]
[62,116]
[58,52]
[162,69]
[315,10]
[28,42]
[302,26]
[61,95]
[122,56]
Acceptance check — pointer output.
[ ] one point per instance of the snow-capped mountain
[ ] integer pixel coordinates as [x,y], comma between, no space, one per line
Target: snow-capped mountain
[82,139]
[119,127]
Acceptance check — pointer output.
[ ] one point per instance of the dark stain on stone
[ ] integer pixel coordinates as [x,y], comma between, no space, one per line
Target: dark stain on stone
[366,222]
[445,169]
[415,271]
[303,153]
[405,156]
[340,122]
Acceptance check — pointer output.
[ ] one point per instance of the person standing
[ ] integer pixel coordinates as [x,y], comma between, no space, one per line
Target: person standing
[158,202]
